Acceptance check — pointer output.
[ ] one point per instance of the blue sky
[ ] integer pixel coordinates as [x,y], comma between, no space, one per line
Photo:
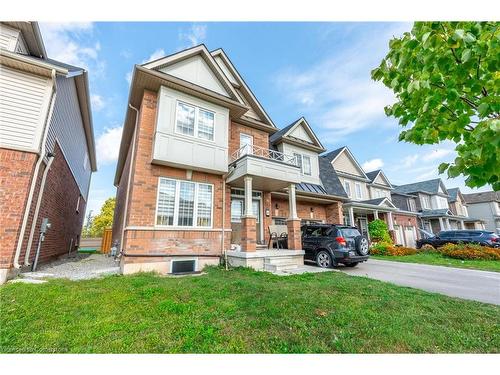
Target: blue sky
[317,70]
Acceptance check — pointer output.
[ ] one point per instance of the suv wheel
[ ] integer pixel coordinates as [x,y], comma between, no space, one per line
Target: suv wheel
[362,245]
[324,259]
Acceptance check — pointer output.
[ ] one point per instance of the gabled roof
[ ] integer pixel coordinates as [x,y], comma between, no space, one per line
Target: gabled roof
[439,212]
[329,179]
[379,202]
[486,196]
[241,84]
[453,192]
[429,186]
[199,50]
[333,155]
[31,35]
[374,174]
[284,135]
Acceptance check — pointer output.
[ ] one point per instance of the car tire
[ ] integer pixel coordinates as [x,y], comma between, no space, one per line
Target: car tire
[351,264]
[324,259]
[362,245]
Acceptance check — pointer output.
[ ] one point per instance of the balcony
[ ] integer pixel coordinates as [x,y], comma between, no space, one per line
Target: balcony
[271,170]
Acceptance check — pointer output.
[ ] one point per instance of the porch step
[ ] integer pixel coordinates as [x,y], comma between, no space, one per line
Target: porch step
[261,247]
[280,261]
[279,268]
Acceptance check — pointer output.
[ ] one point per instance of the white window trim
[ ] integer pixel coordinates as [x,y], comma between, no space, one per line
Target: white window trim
[348,191]
[356,185]
[251,143]
[78,204]
[196,117]
[176,205]
[310,165]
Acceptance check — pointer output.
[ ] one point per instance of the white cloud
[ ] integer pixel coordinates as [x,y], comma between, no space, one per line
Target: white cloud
[158,53]
[409,161]
[373,164]
[195,35]
[69,42]
[108,145]
[97,102]
[337,93]
[437,154]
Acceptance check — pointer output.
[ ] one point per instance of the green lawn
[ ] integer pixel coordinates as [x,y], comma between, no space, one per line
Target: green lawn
[440,260]
[240,311]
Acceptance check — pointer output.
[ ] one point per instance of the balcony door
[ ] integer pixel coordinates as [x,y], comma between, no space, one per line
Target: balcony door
[246,144]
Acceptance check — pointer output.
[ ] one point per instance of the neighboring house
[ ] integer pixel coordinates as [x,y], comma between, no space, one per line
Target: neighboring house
[432,203]
[485,206]
[458,207]
[202,169]
[370,198]
[47,149]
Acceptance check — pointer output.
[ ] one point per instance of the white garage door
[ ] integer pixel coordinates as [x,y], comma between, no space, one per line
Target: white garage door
[410,236]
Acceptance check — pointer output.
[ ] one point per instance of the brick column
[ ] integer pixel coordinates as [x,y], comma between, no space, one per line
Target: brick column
[294,235]
[334,213]
[248,233]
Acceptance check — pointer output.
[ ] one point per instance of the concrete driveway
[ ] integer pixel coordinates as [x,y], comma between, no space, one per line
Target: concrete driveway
[482,286]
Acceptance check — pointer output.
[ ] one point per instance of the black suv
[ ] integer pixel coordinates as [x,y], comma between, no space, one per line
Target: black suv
[331,244]
[481,237]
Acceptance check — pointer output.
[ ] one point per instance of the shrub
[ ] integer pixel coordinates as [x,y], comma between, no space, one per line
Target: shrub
[469,252]
[384,248]
[379,232]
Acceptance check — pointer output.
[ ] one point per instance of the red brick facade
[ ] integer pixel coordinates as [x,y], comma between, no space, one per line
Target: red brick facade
[326,212]
[59,203]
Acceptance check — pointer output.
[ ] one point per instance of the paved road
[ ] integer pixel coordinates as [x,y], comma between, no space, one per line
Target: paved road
[475,285]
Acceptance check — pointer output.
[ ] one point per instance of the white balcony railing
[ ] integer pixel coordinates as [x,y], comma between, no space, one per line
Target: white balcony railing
[264,153]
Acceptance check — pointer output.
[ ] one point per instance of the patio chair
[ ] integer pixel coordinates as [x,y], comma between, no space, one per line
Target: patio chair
[278,235]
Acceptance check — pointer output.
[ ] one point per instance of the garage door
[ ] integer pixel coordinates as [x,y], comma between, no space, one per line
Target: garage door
[410,236]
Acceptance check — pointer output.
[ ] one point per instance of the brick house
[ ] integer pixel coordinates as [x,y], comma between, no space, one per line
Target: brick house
[370,198]
[203,171]
[438,208]
[46,149]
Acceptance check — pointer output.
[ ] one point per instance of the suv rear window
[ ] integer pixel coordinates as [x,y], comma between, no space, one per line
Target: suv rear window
[349,232]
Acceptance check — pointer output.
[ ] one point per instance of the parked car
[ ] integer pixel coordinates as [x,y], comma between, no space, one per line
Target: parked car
[331,244]
[481,237]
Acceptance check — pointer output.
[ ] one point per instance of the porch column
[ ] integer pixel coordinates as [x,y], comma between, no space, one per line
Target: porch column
[376,214]
[293,221]
[391,223]
[441,224]
[448,227]
[351,216]
[248,221]
[462,226]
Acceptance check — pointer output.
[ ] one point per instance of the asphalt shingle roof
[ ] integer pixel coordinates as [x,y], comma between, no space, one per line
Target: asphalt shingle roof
[429,186]
[332,154]
[329,178]
[375,201]
[487,196]
[280,133]
[440,212]
[371,175]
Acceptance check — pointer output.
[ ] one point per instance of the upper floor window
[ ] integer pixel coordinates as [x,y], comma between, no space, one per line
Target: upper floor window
[347,187]
[425,201]
[359,192]
[411,205]
[194,121]
[304,162]
[184,203]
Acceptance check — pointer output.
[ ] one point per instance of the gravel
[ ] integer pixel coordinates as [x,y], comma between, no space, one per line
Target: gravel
[75,267]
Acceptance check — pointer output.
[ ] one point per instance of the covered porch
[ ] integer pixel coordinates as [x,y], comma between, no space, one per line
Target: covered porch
[255,173]
[359,214]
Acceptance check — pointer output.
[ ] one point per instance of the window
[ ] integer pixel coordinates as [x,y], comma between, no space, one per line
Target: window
[195,121]
[426,202]
[298,157]
[184,203]
[306,165]
[411,205]
[359,193]
[247,142]
[347,186]
[236,210]
[78,204]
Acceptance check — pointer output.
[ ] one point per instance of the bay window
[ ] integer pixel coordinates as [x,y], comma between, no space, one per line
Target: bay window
[184,203]
[194,121]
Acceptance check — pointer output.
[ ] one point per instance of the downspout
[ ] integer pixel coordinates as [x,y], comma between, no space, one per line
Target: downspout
[223,250]
[129,176]
[50,155]
[37,169]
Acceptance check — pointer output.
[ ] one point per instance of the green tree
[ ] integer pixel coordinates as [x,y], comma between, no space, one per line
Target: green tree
[101,221]
[446,77]
[378,231]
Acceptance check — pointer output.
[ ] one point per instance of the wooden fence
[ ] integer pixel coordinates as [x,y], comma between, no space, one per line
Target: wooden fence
[106,241]
[101,245]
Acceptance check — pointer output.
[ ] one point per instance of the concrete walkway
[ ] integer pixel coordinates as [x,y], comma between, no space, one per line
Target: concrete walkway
[482,286]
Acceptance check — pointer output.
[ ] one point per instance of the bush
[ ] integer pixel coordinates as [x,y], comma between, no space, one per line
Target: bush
[384,248]
[469,252]
[379,232]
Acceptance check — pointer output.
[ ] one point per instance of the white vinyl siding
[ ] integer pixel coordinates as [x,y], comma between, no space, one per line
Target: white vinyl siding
[24,103]
[425,201]
[9,38]
[66,125]
[184,204]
